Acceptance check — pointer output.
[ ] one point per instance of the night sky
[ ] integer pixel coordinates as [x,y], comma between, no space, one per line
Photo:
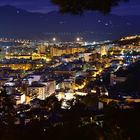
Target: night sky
[130,8]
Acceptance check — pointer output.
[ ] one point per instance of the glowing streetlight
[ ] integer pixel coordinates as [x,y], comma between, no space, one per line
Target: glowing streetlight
[78,39]
[54,39]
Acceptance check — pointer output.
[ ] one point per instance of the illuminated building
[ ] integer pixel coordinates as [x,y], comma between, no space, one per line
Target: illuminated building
[36,56]
[41,90]
[59,51]
[42,49]
[68,83]
[20,66]
[50,87]
[87,56]
[33,56]
[103,50]
[130,37]
[11,56]
[33,78]
[17,66]
[3,81]
[20,98]
[36,91]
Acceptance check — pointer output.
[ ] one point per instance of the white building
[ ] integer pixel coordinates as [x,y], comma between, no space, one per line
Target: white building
[36,91]
[41,90]
[50,87]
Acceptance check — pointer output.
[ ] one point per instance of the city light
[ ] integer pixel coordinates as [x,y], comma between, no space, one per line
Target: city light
[78,39]
[54,39]
[69,78]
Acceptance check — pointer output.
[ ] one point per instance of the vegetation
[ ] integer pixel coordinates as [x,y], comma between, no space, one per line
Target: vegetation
[78,122]
[79,6]
[131,85]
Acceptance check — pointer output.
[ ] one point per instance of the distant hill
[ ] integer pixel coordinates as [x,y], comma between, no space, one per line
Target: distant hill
[129,40]
[19,23]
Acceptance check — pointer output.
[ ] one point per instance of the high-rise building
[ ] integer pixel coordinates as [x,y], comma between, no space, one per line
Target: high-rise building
[50,87]
[36,91]
[42,49]
[59,51]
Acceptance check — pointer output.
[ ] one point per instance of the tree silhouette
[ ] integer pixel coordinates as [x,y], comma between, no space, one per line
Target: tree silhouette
[79,6]
[7,109]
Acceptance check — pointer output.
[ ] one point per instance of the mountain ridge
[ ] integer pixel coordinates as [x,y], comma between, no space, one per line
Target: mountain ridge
[19,23]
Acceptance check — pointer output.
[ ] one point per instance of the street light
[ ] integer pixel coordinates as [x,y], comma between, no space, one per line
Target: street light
[54,39]
[78,39]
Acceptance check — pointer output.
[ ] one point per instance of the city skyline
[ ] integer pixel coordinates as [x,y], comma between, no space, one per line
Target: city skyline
[67,72]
